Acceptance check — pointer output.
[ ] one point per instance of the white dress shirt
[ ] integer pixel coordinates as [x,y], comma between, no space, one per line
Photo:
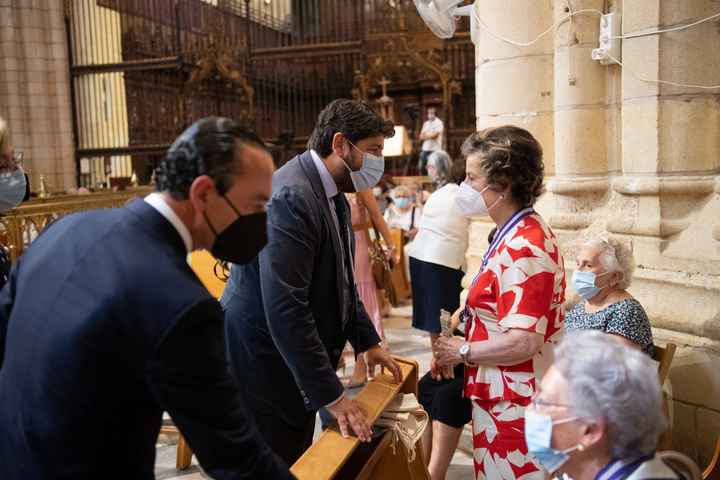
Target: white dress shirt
[158,203]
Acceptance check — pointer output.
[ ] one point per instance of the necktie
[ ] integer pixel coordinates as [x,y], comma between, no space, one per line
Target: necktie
[344,237]
[349,321]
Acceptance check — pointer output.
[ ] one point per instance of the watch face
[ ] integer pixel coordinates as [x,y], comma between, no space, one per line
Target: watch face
[464,349]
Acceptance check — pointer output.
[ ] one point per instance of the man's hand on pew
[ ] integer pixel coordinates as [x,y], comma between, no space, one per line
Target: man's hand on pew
[379,356]
[346,414]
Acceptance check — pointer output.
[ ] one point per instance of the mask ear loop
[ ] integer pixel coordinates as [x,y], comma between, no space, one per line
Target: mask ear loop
[501,197]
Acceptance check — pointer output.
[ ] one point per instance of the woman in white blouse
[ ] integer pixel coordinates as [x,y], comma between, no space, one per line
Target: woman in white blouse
[437,259]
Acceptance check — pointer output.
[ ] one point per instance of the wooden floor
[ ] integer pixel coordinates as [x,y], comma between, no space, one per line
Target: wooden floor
[403,340]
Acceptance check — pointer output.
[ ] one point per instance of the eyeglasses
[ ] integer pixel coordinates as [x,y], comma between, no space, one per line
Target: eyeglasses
[7,169]
[536,402]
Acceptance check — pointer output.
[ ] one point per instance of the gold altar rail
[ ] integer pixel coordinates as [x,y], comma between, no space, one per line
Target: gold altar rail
[22,224]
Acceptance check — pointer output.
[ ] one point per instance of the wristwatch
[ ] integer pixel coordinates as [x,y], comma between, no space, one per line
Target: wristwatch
[464,350]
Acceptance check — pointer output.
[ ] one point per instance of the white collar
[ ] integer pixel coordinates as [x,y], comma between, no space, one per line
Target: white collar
[156,201]
[327,180]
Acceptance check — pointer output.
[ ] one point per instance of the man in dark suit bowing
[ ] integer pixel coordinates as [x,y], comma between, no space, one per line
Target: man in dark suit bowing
[290,311]
[103,325]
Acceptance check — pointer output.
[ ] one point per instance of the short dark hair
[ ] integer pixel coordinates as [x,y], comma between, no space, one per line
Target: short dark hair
[356,121]
[207,147]
[457,171]
[508,155]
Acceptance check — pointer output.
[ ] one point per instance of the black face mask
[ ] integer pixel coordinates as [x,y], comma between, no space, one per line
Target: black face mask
[242,239]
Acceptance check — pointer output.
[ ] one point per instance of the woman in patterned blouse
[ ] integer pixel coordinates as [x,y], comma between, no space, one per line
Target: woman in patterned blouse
[604,271]
[514,304]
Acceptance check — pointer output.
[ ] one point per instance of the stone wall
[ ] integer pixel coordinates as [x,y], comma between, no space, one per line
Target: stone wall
[35,88]
[631,158]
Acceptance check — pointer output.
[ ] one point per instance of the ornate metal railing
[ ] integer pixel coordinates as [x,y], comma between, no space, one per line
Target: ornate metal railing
[143,70]
[22,224]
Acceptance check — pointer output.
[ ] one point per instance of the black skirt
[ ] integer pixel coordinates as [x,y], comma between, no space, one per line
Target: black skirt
[443,400]
[434,287]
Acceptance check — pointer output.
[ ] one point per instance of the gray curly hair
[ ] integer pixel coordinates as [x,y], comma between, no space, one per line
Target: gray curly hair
[614,383]
[615,257]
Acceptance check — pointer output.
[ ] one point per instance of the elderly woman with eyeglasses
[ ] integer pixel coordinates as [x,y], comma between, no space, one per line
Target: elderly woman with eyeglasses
[514,303]
[598,412]
[13,187]
[604,272]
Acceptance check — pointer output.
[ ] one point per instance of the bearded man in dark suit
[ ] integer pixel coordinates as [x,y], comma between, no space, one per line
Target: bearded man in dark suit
[290,311]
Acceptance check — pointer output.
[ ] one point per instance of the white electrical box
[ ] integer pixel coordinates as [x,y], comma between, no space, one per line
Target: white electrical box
[610,50]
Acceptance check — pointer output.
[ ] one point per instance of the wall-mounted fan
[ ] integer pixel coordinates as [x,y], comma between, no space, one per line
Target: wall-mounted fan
[440,16]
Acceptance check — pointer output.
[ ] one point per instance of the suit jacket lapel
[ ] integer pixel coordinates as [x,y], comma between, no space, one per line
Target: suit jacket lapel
[308,165]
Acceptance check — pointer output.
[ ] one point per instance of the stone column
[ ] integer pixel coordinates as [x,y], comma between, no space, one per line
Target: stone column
[35,89]
[670,203]
[632,158]
[587,114]
[514,86]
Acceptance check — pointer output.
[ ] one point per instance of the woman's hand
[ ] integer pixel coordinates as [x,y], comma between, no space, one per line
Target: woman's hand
[391,254]
[437,371]
[447,350]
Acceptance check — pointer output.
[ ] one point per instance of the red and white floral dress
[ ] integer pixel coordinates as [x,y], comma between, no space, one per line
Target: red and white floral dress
[522,286]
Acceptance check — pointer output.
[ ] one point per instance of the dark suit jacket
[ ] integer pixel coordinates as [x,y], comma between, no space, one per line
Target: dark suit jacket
[283,318]
[104,325]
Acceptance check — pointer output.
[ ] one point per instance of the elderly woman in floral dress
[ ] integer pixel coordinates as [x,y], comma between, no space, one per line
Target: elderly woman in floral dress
[514,303]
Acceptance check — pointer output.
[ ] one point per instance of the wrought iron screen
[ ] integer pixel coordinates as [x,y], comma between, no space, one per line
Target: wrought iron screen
[143,70]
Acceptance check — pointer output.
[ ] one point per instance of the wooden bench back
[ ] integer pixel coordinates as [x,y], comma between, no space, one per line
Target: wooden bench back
[334,457]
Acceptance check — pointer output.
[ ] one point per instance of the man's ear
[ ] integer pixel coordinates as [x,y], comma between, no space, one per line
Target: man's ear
[202,192]
[338,144]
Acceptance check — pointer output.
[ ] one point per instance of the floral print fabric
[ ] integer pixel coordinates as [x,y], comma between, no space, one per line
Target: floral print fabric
[523,286]
[499,447]
[626,317]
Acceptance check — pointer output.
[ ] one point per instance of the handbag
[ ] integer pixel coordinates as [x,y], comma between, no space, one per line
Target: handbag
[381,269]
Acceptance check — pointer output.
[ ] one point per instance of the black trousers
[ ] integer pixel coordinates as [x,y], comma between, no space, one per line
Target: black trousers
[289,442]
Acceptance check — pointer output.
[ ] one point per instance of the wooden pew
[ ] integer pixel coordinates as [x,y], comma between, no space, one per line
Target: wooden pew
[399,277]
[334,457]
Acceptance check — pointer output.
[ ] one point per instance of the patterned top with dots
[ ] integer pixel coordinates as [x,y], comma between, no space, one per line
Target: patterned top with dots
[626,317]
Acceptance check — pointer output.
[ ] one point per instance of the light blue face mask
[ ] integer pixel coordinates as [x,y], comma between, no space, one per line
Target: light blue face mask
[538,433]
[584,283]
[431,116]
[12,190]
[369,174]
[401,202]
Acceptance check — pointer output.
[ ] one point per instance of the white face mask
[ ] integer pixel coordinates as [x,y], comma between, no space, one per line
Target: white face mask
[377,191]
[471,202]
[370,172]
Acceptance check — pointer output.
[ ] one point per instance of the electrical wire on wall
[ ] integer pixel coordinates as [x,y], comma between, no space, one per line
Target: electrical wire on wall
[571,80]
